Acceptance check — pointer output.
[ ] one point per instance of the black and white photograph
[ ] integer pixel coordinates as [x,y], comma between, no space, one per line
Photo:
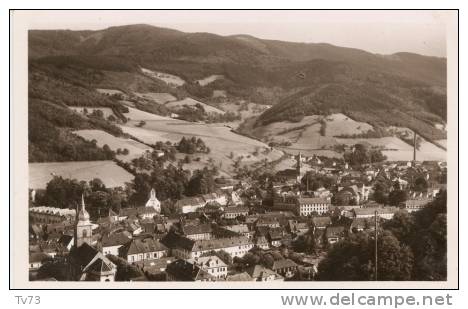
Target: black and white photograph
[258,148]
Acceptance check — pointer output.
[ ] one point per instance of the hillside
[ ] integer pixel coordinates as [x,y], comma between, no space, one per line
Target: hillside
[298,79]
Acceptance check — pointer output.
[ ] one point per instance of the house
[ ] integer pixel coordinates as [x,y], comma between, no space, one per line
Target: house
[138,212]
[112,243]
[234,212]
[415,204]
[241,229]
[368,212]
[143,249]
[51,215]
[215,198]
[334,234]
[239,277]
[181,270]
[197,232]
[310,205]
[262,243]
[261,273]
[36,259]
[297,227]
[270,222]
[275,235]
[321,223]
[212,265]
[285,267]
[185,248]
[155,269]
[190,204]
[362,224]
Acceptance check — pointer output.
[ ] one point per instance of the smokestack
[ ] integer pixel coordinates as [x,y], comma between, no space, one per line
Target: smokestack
[414,147]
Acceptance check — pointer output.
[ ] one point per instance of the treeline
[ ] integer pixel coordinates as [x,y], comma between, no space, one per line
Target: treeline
[50,139]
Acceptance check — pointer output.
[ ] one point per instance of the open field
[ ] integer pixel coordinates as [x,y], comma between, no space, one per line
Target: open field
[106,111]
[169,79]
[305,136]
[192,102]
[137,115]
[220,139]
[109,91]
[109,172]
[207,80]
[157,97]
[136,149]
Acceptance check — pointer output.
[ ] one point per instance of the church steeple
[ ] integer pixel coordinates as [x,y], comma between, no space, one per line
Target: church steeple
[83,226]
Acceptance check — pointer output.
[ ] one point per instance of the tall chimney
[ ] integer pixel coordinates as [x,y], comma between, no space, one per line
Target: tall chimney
[414,147]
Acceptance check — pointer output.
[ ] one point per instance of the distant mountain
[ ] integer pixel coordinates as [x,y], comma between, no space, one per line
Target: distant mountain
[297,78]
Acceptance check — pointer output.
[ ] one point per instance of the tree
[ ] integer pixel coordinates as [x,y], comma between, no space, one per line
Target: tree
[420,184]
[396,197]
[64,193]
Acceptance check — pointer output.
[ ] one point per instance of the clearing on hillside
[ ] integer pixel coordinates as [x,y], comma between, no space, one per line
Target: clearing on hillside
[138,115]
[157,97]
[136,149]
[109,91]
[171,80]
[226,146]
[192,102]
[208,80]
[109,172]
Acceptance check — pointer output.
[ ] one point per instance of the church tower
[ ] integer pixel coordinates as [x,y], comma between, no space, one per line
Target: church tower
[83,226]
[153,201]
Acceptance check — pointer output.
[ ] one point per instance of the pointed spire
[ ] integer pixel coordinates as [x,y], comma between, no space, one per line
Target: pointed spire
[82,202]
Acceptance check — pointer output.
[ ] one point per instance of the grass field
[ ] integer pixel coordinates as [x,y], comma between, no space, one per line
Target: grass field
[109,172]
[136,149]
[221,140]
[305,136]
[157,97]
[138,115]
[192,102]
[207,80]
[169,79]
[109,91]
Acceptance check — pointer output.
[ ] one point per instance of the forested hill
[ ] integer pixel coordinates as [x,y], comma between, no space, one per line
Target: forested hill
[298,78]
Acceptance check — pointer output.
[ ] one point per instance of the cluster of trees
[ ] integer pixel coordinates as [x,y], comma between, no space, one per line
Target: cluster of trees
[410,247]
[192,145]
[66,193]
[388,193]
[361,154]
[172,183]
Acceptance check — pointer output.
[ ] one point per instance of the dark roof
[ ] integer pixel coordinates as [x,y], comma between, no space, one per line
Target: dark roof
[99,266]
[283,263]
[321,221]
[38,257]
[115,239]
[335,231]
[185,271]
[196,229]
[137,246]
[83,255]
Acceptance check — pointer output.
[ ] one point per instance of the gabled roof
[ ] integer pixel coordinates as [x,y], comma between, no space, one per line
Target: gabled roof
[321,221]
[185,271]
[100,266]
[197,229]
[136,246]
[283,263]
[115,239]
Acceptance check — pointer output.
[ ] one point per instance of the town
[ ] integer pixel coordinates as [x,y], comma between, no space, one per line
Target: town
[258,226]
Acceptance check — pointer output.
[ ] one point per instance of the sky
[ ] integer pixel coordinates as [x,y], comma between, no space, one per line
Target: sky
[382,32]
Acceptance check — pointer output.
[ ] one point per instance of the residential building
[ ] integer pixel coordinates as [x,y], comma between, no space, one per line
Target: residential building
[212,265]
[143,249]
